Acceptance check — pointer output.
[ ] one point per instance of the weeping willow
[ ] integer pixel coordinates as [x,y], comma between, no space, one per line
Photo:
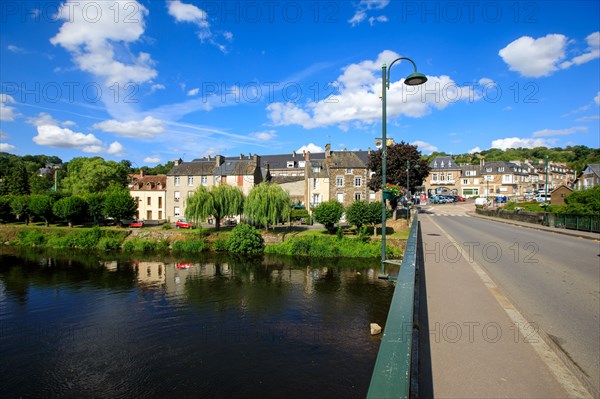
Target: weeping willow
[221,201]
[267,204]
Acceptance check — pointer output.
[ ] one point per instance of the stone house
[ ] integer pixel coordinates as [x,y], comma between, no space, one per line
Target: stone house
[444,177]
[150,193]
[589,177]
[348,176]
[557,196]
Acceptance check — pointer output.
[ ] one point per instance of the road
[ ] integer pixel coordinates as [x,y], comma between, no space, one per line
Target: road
[552,279]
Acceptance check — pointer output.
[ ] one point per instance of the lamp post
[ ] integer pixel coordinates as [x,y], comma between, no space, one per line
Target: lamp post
[414,79]
[546,192]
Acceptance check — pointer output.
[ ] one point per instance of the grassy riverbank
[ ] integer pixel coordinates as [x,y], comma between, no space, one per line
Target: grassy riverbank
[299,243]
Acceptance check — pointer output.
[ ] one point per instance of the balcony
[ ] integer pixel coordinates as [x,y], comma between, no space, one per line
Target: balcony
[442,182]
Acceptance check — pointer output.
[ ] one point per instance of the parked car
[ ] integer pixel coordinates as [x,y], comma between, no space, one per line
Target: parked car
[501,199]
[542,198]
[460,199]
[136,223]
[183,224]
[482,201]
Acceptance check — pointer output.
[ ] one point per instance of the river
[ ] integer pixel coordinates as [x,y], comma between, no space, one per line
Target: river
[204,326]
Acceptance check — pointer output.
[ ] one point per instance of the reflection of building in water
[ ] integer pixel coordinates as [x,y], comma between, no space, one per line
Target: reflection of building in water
[150,273]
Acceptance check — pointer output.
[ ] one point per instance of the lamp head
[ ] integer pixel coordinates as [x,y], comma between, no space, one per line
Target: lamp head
[415,79]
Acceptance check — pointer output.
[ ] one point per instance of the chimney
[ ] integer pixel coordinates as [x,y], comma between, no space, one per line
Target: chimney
[369,150]
[177,162]
[482,162]
[219,160]
[307,155]
[249,155]
[293,154]
[241,156]
[327,151]
[141,172]
[256,158]
[344,150]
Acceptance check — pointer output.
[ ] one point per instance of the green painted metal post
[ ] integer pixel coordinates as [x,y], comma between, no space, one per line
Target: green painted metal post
[383,162]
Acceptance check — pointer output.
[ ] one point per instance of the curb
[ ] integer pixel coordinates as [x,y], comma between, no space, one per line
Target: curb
[572,233]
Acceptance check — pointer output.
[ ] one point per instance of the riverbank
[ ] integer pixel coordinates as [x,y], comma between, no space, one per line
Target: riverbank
[284,240]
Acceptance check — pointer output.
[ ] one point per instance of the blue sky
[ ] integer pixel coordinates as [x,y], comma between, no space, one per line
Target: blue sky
[152,81]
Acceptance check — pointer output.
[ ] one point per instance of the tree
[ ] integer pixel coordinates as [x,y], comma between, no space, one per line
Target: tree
[69,208]
[584,202]
[95,206]
[397,155]
[19,204]
[119,204]
[219,202]
[357,214]
[329,214]
[244,239]
[40,205]
[14,178]
[93,175]
[267,204]
[5,209]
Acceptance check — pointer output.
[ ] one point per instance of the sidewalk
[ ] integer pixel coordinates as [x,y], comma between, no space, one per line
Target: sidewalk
[473,342]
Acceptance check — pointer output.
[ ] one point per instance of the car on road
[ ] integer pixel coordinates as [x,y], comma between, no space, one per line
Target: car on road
[542,198]
[136,223]
[501,199]
[482,201]
[460,198]
[183,224]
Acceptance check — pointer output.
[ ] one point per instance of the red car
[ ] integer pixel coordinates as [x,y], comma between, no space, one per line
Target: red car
[183,224]
[460,199]
[137,223]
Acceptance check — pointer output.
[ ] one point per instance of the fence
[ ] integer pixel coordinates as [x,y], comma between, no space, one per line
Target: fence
[576,222]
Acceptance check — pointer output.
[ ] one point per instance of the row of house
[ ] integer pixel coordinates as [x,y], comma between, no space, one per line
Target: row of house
[511,179]
[313,178]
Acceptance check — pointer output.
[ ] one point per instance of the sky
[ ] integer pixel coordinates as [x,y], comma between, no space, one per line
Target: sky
[154,81]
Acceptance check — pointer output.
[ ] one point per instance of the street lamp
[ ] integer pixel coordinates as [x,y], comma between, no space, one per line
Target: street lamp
[546,193]
[414,79]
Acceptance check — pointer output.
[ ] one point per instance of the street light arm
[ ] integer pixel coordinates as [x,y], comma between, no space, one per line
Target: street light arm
[393,62]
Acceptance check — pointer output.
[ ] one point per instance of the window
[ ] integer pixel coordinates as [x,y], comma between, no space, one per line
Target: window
[177,211]
[506,179]
[340,197]
[471,173]
[203,180]
[159,215]
[301,164]
[339,181]
[501,169]
[290,164]
[348,171]
[315,183]
[149,215]
[177,196]
[160,204]
[137,199]
[357,196]
[449,176]
[217,180]
[435,176]
[488,169]
[149,202]
[442,177]
[177,180]
[357,182]
[190,180]
[465,181]
[190,193]
[316,199]
[316,169]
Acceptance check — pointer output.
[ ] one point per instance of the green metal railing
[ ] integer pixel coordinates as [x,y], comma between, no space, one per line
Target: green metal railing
[578,222]
[391,375]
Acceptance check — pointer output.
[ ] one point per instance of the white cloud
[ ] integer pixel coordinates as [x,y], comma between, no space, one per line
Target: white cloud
[265,135]
[535,57]
[3,135]
[363,7]
[313,148]
[15,49]
[359,99]
[7,113]
[516,142]
[588,118]
[189,13]
[54,136]
[193,91]
[94,37]
[42,119]
[152,160]
[228,36]
[593,52]
[424,146]
[5,147]
[156,87]
[486,82]
[474,150]
[546,55]
[597,99]
[560,132]
[115,148]
[147,128]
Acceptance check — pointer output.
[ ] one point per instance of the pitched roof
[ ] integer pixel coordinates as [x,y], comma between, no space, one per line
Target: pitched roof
[236,167]
[595,167]
[150,183]
[346,159]
[194,168]
[286,179]
[444,163]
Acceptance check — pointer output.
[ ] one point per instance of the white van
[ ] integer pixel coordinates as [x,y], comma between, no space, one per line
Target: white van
[481,201]
[542,198]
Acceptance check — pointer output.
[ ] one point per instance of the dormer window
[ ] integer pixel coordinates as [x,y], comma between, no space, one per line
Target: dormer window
[290,164]
[488,169]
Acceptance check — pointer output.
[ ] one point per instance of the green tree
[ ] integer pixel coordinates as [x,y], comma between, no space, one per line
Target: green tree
[119,204]
[40,184]
[41,205]
[14,178]
[329,214]
[93,175]
[19,205]
[95,206]
[357,214]
[267,204]
[397,155]
[219,202]
[5,209]
[584,202]
[69,208]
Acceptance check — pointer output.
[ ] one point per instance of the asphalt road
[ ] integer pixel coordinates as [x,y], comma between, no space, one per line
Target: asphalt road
[554,280]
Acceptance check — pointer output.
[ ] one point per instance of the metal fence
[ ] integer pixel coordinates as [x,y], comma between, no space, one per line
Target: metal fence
[577,222]
[392,374]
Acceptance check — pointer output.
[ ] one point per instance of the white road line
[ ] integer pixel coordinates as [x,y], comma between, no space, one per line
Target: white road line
[563,375]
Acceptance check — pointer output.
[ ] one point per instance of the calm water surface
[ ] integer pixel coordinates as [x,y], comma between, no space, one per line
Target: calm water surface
[77,325]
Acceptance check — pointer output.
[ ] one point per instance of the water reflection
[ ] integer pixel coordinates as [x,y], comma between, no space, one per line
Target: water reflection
[195,326]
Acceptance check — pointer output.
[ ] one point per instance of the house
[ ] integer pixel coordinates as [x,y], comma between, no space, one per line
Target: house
[150,193]
[443,177]
[185,178]
[557,196]
[348,176]
[588,178]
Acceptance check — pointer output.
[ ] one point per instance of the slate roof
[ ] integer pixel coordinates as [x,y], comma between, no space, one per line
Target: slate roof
[150,183]
[595,167]
[194,168]
[235,167]
[286,179]
[346,159]
[444,163]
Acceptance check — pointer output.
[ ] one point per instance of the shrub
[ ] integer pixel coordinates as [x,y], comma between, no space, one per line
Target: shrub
[328,247]
[220,245]
[31,238]
[109,244]
[329,213]
[190,245]
[244,239]
[145,245]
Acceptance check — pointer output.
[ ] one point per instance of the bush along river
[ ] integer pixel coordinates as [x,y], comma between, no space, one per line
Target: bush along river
[202,326]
